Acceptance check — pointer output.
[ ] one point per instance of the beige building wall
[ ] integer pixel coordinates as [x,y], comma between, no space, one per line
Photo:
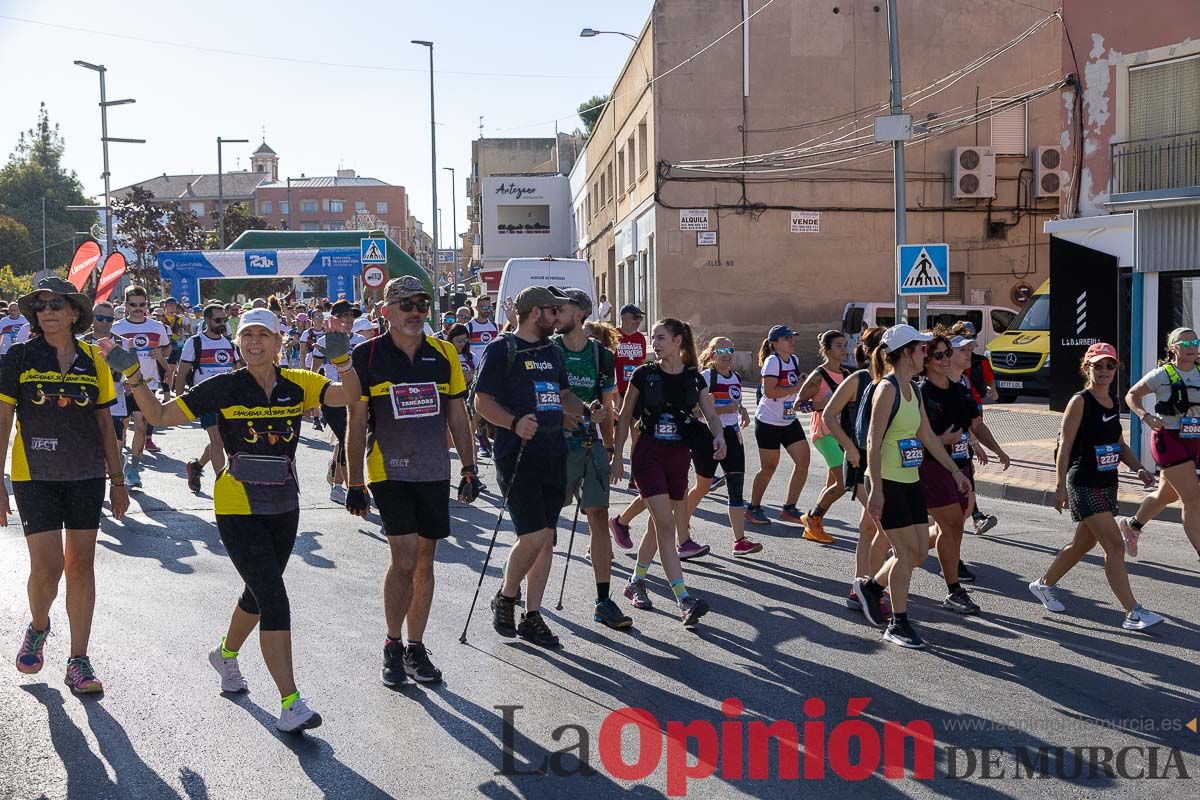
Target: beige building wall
[806,64]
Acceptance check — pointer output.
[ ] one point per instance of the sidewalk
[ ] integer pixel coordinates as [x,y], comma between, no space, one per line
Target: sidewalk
[1028,434]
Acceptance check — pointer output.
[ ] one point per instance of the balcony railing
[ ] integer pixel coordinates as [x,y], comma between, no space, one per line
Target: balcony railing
[1155,164]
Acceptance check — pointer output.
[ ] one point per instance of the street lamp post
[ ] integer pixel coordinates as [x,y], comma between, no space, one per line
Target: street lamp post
[221,184]
[104,140]
[437,293]
[588,33]
[454,226]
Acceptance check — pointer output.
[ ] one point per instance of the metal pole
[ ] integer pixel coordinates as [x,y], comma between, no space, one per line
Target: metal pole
[108,215]
[221,194]
[44,233]
[454,225]
[437,289]
[900,199]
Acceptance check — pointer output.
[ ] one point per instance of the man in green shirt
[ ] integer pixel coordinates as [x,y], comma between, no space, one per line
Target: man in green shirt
[591,371]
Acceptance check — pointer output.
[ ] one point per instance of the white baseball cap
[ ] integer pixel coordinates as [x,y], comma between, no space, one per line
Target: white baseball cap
[961,341]
[262,317]
[899,336]
[363,324]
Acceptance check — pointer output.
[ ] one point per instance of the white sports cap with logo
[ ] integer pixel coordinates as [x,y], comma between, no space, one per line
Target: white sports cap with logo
[899,336]
[262,317]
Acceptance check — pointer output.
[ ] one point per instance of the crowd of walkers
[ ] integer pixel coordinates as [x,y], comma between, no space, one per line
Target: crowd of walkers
[552,400]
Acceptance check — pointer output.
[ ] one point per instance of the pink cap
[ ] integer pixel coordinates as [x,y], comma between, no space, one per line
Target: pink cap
[1100,351]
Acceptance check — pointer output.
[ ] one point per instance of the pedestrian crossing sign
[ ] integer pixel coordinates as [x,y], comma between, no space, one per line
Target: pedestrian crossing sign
[373,251]
[923,269]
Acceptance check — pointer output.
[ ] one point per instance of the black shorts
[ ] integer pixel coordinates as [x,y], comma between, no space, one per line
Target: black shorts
[903,505]
[735,455]
[536,492]
[173,356]
[772,437]
[58,505]
[335,418]
[420,507]
[131,404]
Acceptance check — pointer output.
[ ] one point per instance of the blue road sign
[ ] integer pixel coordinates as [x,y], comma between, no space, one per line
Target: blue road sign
[373,251]
[923,269]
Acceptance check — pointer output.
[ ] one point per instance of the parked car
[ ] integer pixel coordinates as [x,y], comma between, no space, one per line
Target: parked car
[989,321]
[1021,356]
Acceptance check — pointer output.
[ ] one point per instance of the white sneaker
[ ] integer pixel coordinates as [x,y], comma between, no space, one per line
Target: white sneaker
[337,494]
[1139,619]
[298,718]
[1046,594]
[227,668]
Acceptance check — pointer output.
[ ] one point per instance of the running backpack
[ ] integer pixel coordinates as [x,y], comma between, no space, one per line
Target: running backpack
[862,421]
[653,397]
[1179,402]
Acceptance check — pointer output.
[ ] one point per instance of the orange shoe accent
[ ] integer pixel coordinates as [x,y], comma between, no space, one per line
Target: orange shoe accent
[814,530]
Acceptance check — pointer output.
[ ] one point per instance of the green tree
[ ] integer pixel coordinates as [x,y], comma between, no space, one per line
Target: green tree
[590,110]
[238,220]
[183,229]
[34,172]
[16,245]
[142,229]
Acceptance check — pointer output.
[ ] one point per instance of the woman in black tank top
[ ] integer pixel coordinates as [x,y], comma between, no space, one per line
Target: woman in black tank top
[1091,446]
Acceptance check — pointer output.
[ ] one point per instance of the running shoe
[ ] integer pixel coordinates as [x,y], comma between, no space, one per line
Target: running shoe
[885,603]
[814,530]
[1047,595]
[791,515]
[635,592]
[965,575]
[620,532]
[317,425]
[298,717]
[533,629]
[852,602]
[983,522]
[231,675]
[331,472]
[81,677]
[960,602]
[394,672]
[418,666]
[690,549]
[151,447]
[504,615]
[756,516]
[745,547]
[194,472]
[609,613]
[901,632]
[337,494]
[29,657]
[1139,619]
[870,598]
[133,477]
[717,484]
[481,453]
[691,609]
[1129,535]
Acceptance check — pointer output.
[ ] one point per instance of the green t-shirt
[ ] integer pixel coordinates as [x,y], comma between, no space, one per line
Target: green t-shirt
[586,383]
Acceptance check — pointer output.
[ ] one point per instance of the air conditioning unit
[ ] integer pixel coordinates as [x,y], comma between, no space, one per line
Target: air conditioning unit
[974,173]
[1047,172]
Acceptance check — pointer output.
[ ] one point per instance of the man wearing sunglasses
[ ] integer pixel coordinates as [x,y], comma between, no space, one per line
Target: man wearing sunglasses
[10,325]
[103,317]
[412,390]
[150,340]
[203,356]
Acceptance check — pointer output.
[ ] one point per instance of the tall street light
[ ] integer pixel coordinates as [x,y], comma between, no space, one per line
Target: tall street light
[221,184]
[437,290]
[104,140]
[588,33]
[454,223]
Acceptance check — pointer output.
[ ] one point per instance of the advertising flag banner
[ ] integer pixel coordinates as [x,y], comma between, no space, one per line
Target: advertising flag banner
[83,264]
[114,268]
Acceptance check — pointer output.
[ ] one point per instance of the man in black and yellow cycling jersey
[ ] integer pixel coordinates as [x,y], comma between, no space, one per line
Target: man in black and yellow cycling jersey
[412,390]
[256,498]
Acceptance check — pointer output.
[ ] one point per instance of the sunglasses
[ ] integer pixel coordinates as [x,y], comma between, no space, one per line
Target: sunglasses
[409,305]
[102,318]
[940,355]
[214,320]
[1188,343]
[54,304]
[723,351]
[1104,365]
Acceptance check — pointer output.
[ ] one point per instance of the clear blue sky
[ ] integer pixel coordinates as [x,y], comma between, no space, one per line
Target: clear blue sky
[375,121]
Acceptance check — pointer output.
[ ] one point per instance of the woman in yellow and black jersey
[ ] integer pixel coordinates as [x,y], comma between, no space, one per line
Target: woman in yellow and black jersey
[59,391]
[256,497]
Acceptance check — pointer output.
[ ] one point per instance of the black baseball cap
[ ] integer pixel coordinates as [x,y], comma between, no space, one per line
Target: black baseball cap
[630,308]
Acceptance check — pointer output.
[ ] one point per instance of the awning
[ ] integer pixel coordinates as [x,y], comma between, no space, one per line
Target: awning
[1108,233]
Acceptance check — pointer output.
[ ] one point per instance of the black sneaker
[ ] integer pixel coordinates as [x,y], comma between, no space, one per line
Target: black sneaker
[902,633]
[691,609]
[965,575]
[870,597]
[534,629]
[504,615]
[393,664]
[194,471]
[960,602]
[609,613]
[418,666]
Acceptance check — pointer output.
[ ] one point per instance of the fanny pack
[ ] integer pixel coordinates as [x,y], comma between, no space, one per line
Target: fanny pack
[260,470]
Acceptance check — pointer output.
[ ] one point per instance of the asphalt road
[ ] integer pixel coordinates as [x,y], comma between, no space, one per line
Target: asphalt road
[1014,678]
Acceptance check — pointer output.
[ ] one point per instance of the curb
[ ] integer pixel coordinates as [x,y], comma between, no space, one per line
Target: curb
[1038,494]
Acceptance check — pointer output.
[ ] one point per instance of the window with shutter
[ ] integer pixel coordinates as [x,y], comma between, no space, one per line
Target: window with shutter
[1164,99]
[1009,129]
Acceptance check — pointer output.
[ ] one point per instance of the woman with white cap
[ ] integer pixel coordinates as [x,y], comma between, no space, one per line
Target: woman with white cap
[1090,447]
[899,439]
[256,497]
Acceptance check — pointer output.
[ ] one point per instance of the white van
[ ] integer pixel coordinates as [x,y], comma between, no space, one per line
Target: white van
[565,273]
[989,321]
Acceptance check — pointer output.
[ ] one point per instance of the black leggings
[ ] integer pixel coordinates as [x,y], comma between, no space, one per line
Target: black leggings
[336,417]
[259,546]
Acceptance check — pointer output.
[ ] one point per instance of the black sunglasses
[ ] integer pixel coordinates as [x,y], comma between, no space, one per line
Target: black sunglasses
[409,305]
[54,304]
[940,355]
[102,318]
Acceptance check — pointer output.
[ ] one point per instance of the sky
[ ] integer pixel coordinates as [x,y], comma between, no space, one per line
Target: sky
[519,64]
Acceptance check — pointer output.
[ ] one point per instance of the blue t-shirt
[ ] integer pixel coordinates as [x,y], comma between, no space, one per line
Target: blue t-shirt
[534,385]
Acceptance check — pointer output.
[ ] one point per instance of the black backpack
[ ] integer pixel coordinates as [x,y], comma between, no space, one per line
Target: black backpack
[653,397]
[862,422]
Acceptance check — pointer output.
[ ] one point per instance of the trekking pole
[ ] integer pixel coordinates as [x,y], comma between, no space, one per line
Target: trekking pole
[587,456]
[495,532]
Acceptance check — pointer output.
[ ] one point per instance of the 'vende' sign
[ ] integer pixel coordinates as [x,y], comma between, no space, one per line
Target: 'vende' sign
[693,219]
[806,222]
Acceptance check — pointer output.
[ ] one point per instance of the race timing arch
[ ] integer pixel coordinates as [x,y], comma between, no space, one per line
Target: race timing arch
[183,269]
